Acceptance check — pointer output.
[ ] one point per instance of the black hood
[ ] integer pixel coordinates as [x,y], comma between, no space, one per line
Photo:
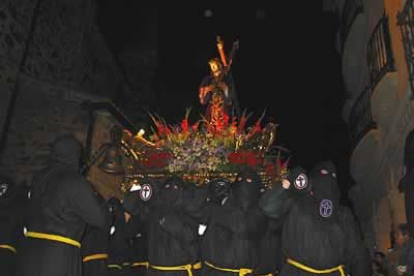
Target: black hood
[171,193]
[219,189]
[325,189]
[247,188]
[195,200]
[67,150]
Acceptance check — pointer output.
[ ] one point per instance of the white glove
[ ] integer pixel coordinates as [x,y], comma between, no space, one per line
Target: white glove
[135,187]
[202,229]
[112,231]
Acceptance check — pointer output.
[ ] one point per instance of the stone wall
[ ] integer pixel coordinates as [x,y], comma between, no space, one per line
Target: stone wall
[43,111]
[67,61]
[15,20]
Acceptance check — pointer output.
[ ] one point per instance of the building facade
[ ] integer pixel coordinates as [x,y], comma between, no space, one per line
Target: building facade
[377,69]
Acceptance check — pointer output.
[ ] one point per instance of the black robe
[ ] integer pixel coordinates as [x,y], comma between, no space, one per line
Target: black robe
[120,250]
[95,244]
[139,250]
[232,237]
[270,250]
[12,210]
[62,203]
[359,256]
[172,232]
[311,240]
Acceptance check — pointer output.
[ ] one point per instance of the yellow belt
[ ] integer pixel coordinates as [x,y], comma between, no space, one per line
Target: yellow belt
[189,268]
[241,271]
[95,257]
[146,264]
[51,237]
[339,268]
[8,247]
[115,266]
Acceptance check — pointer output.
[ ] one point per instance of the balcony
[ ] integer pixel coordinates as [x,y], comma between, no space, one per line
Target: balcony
[361,120]
[364,138]
[350,11]
[379,53]
[383,79]
[406,23]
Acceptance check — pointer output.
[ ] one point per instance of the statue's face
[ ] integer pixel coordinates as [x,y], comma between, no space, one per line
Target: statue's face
[214,67]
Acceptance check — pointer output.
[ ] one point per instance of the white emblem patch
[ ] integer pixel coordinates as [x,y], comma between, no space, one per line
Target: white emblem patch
[301,182]
[325,208]
[146,192]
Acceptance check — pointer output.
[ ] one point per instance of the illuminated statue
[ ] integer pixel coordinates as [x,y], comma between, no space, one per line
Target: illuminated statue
[217,90]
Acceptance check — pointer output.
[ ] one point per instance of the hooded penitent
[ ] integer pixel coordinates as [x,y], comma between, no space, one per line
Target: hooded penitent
[313,236]
[62,204]
[172,233]
[325,190]
[232,237]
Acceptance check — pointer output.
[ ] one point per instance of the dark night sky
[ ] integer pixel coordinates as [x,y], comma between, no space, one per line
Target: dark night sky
[291,72]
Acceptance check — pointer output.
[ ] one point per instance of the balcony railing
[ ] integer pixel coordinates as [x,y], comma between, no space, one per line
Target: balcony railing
[361,121]
[351,9]
[379,53]
[406,23]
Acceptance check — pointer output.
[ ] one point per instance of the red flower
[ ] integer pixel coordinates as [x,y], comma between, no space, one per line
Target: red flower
[245,158]
[242,124]
[157,160]
[184,125]
[195,126]
[225,120]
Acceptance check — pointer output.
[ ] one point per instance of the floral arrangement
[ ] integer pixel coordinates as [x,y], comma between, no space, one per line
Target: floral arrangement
[201,148]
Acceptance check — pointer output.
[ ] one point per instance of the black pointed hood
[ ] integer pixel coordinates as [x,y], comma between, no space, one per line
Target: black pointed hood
[325,189]
[68,150]
[247,188]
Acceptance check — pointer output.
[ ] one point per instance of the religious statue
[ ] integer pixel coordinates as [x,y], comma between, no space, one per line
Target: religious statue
[217,90]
